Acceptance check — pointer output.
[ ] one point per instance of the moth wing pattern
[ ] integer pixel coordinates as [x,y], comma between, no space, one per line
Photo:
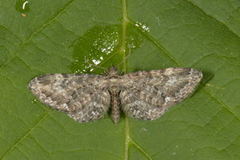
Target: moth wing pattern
[80,96]
[149,94]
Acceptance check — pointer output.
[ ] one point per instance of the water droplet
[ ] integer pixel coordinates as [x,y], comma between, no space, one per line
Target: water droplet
[142,26]
[144,129]
[134,38]
[106,43]
[23,7]
[94,47]
[34,101]
[100,45]
[174,153]
[96,61]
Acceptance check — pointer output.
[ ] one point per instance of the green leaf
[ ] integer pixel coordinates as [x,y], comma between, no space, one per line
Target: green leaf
[67,36]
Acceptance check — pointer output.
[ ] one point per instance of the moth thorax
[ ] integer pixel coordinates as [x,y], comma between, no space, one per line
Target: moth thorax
[113,71]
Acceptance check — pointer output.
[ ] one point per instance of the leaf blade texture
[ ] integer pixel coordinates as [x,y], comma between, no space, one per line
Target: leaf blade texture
[75,36]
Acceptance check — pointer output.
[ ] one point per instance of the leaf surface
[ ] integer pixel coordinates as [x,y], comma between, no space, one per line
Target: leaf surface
[70,36]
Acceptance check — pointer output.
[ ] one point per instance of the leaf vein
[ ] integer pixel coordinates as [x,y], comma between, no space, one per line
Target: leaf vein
[142,150]
[20,139]
[157,44]
[49,21]
[210,16]
[221,103]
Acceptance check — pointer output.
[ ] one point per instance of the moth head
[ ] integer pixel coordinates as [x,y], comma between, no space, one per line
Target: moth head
[112,71]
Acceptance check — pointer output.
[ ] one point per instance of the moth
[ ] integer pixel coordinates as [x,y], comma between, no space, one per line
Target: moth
[144,95]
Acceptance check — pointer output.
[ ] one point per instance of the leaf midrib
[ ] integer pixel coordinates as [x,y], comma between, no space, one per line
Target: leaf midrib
[123,49]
